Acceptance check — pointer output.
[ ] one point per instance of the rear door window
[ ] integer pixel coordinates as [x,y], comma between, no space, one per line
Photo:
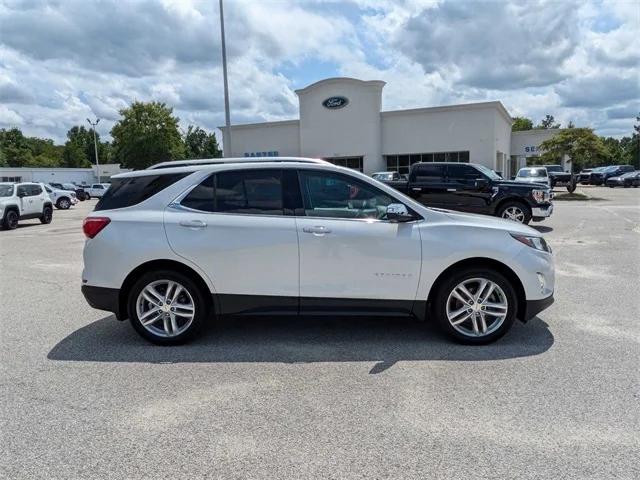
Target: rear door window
[125,192]
[253,192]
[429,173]
[34,190]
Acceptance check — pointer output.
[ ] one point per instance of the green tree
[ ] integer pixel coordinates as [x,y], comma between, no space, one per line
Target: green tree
[583,146]
[15,148]
[200,144]
[547,122]
[521,123]
[147,134]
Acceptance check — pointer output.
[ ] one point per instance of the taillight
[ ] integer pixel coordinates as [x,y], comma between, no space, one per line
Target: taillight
[94,225]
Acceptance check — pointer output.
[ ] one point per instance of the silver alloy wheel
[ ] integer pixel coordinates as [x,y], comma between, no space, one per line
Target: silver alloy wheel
[165,308]
[64,204]
[477,307]
[514,213]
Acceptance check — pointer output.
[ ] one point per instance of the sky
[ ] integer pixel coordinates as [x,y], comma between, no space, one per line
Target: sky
[62,61]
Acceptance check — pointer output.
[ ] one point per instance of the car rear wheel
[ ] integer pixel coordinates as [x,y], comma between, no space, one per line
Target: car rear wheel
[166,308]
[63,204]
[47,215]
[10,220]
[515,211]
[476,306]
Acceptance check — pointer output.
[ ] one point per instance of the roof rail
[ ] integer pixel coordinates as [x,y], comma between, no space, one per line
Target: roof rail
[222,161]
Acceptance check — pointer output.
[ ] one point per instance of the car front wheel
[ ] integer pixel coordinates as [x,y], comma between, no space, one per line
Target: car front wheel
[11,220]
[516,211]
[63,204]
[476,306]
[166,308]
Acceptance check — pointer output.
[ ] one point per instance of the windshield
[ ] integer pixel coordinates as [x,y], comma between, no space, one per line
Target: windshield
[6,190]
[488,172]
[532,172]
[69,186]
[629,174]
[383,176]
[610,169]
[554,168]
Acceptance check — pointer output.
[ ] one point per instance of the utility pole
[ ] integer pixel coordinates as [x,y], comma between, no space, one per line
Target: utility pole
[227,131]
[95,145]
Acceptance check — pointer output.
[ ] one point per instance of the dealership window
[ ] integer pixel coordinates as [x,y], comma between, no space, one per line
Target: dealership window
[402,163]
[350,162]
[12,179]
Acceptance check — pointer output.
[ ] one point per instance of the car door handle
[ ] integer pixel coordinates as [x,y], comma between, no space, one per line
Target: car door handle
[194,224]
[452,189]
[317,230]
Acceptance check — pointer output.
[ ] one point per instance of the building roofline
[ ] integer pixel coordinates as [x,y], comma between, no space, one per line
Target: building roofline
[536,130]
[276,123]
[463,106]
[329,81]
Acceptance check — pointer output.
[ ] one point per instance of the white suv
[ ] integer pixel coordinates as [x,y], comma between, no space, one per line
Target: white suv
[167,247]
[97,190]
[21,201]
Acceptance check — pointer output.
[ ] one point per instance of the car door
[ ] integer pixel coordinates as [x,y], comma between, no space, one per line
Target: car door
[36,199]
[467,188]
[236,226]
[351,257]
[427,184]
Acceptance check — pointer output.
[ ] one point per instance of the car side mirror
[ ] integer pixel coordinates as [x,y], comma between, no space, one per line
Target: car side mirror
[481,182]
[398,212]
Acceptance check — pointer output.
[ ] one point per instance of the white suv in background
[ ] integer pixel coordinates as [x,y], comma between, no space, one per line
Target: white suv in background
[21,201]
[97,190]
[167,247]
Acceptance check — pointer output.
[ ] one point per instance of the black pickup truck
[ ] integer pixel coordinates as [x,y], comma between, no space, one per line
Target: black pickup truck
[559,178]
[474,188]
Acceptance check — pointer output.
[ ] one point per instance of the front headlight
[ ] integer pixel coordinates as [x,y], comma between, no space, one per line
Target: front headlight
[541,196]
[538,243]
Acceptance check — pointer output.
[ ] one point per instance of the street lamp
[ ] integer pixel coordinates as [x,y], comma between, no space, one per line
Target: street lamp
[227,131]
[95,144]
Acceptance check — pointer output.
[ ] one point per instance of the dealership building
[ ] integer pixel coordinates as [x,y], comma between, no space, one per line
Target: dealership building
[341,120]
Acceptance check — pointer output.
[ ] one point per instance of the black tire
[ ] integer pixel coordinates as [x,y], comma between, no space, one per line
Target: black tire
[524,209]
[63,203]
[445,289]
[200,303]
[571,187]
[10,221]
[47,215]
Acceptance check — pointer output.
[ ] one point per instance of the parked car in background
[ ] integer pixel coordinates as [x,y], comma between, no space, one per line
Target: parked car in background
[62,199]
[474,188]
[164,246]
[80,193]
[386,176]
[630,179]
[533,175]
[600,177]
[97,190]
[558,177]
[21,201]
[585,175]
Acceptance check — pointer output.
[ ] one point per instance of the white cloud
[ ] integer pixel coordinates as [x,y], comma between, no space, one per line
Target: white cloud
[61,62]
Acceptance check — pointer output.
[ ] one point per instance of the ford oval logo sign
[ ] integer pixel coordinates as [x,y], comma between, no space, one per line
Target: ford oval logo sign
[335,102]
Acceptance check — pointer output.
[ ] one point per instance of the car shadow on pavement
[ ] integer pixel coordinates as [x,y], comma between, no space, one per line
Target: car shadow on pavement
[542,228]
[300,340]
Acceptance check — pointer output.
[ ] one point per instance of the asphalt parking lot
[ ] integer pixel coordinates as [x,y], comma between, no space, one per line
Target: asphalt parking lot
[84,397]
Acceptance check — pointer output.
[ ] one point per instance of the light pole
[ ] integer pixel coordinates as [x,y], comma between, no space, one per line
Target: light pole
[95,144]
[227,131]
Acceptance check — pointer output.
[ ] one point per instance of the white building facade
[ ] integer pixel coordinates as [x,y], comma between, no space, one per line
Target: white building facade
[341,120]
[78,176]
